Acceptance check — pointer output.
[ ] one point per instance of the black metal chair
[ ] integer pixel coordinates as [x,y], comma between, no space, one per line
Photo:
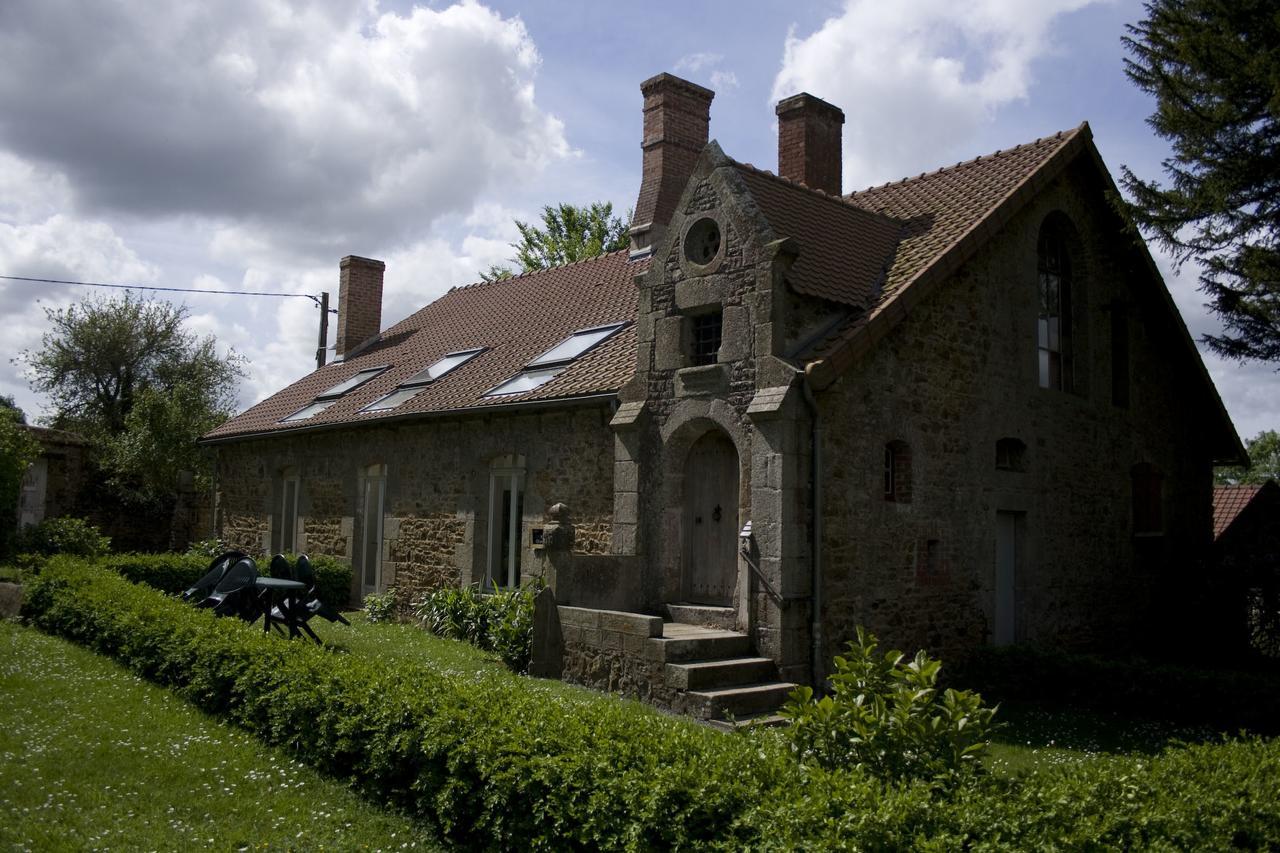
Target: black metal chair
[202,588]
[315,607]
[235,594]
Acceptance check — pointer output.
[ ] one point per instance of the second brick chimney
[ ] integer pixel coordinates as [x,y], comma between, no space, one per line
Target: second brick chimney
[677,117]
[359,302]
[809,142]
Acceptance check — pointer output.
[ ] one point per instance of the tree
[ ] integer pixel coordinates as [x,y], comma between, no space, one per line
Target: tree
[1264,462]
[568,233]
[1213,67]
[17,451]
[127,375]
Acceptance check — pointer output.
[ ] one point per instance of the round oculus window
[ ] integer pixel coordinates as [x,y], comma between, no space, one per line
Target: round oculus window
[702,242]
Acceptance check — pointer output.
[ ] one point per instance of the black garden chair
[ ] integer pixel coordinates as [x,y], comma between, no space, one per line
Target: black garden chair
[236,594]
[202,588]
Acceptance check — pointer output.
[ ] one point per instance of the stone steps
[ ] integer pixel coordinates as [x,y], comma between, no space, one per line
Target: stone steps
[705,615]
[739,701]
[716,674]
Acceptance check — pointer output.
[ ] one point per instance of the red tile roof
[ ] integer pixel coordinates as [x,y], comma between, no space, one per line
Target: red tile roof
[1228,503]
[515,320]
[844,249]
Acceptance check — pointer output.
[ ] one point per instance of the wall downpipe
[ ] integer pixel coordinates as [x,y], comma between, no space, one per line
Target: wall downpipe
[815,548]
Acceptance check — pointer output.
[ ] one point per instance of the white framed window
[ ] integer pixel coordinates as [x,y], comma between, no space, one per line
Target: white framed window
[525,381]
[414,384]
[351,383]
[506,511]
[289,511]
[373,494]
[575,345]
[308,411]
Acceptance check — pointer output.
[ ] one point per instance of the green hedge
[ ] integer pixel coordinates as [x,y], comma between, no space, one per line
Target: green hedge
[496,761]
[1225,699]
[173,573]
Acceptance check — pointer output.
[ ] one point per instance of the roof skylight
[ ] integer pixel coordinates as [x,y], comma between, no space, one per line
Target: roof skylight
[351,383]
[525,380]
[393,399]
[309,411]
[440,368]
[575,345]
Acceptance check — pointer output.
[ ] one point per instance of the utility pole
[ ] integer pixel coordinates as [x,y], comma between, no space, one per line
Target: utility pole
[322,347]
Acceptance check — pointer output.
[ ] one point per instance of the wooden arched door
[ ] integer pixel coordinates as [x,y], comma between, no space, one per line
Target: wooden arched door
[711,520]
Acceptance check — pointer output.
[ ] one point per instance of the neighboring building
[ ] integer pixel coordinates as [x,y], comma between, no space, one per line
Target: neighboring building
[53,483]
[958,409]
[1246,544]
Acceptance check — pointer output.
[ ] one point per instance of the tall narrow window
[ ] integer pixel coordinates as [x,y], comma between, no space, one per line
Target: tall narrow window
[897,472]
[1053,327]
[373,491]
[506,513]
[289,511]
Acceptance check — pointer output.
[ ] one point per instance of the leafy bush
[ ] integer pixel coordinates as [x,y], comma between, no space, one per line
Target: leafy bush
[380,607]
[207,548]
[173,573]
[501,622]
[496,761]
[17,451]
[73,536]
[886,715]
[1221,698]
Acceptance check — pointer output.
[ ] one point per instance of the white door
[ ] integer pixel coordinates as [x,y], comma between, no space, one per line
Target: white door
[34,485]
[1006,564]
[506,512]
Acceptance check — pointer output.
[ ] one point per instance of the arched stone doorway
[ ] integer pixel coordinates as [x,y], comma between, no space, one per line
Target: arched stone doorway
[710,521]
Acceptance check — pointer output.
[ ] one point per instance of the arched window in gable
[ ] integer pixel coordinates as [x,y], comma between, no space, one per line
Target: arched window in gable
[1053,326]
[897,472]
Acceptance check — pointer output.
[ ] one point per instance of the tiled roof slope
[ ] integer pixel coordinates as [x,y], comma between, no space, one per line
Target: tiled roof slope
[1228,503]
[947,214]
[844,250]
[516,320]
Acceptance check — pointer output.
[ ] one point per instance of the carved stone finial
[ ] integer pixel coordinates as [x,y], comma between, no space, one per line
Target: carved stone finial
[559,513]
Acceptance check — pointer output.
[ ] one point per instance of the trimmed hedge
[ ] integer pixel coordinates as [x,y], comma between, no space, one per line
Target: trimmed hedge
[496,761]
[1229,700]
[174,573]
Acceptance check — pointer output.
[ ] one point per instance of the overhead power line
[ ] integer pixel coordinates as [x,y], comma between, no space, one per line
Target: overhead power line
[313,298]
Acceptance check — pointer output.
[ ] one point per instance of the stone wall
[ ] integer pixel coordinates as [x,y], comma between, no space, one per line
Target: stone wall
[955,377]
[435,527]
[616,652]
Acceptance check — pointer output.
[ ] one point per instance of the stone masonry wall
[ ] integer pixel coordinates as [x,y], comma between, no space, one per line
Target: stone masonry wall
[435,526]
[959,374]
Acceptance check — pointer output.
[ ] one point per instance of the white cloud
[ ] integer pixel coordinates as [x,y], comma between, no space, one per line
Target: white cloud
[917,78]
[695,62]
[721,80]
[315,125]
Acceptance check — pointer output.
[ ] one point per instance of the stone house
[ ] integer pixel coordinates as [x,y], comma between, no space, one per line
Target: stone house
[53,484]
[959,409]
[1246,550]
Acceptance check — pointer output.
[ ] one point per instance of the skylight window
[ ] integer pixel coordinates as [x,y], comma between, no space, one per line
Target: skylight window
[440,368]
[349,384]
[525,380]
[575,345]
[393,399]
[309,411]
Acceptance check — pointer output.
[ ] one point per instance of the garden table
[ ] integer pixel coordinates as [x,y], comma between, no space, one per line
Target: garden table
[284,596]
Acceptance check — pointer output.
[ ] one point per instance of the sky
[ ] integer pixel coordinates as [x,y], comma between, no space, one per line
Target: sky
[250,144]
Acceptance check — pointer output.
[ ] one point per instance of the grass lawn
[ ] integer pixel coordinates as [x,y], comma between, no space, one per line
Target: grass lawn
[93,757]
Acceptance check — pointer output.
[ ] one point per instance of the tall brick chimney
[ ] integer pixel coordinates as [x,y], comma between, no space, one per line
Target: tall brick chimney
[359,302]
[809,142]
[677,115]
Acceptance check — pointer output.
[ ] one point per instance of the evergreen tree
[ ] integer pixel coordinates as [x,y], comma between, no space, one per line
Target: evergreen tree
[1213,67]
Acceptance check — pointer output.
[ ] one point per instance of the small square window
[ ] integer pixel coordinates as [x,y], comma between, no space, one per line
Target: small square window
[707,333]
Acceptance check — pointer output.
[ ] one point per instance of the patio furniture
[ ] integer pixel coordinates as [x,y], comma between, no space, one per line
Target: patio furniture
[201,589]
[235,594]
[314,605]
[282,606]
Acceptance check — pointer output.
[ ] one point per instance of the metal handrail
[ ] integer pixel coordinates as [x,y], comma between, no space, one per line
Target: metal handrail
[746,555]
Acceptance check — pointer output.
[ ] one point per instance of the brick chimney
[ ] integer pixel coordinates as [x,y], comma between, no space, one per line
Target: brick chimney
[359,302]
[809,142]
[677,115]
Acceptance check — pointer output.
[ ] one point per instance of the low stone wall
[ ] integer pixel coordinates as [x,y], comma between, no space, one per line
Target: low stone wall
[615,651]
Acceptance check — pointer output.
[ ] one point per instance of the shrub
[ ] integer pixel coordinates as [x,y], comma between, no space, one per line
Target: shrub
[380,607]
[499,762]
[501,622]
[1221,698]
[886,715]
[73,536]
[207,548]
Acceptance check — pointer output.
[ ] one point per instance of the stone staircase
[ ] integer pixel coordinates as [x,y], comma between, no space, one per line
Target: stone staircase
[713,670]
